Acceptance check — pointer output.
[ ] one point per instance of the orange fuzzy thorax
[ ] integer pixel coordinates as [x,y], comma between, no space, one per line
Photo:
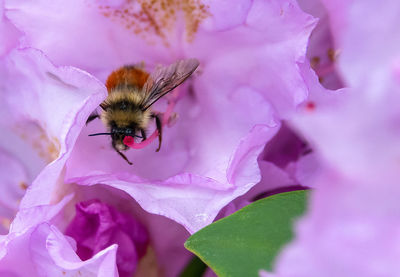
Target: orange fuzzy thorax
[127,75]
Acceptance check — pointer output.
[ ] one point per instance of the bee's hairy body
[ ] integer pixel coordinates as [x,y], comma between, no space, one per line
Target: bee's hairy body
[124,110]
[131,92]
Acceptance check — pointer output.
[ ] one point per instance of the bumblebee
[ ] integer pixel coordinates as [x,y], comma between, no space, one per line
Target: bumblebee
[131,93]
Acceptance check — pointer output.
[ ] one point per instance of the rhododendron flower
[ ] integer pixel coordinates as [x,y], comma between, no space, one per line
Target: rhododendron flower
[353,221]
[29,149]
[99,237]
[35,240]
[248,80]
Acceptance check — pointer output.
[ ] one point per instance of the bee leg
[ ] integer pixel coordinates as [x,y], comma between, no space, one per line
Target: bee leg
[123,156]
[92,117]
[159,129]
[143,132]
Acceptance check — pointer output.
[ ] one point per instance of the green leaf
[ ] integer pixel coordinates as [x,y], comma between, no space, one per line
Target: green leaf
[195,268]
[250,239]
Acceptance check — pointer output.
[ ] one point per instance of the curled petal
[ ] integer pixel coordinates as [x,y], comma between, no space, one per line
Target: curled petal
[53,256]
[45,250]
[49,105]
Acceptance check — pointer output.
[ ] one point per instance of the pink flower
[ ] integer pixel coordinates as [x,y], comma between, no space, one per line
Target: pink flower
[101,238]
[352,228]
[248,80]
[45,251]
[31,157]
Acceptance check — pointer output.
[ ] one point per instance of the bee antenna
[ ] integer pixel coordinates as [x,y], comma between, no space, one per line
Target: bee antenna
[99,134]
[138,136]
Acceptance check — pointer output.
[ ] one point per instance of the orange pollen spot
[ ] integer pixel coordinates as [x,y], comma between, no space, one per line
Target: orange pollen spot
[332,54]
[315,61]
[5,222]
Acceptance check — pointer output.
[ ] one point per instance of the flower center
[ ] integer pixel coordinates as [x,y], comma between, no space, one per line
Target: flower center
[157,17]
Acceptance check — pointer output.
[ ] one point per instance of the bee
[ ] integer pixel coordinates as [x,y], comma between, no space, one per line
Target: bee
[131,92]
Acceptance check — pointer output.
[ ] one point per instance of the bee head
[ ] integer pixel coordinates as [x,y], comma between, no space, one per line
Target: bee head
[118,134]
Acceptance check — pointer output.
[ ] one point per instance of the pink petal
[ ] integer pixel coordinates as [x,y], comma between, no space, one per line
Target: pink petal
[9,35]
[14,245]
[352,227]
[271,67]
[27,218]
[104,43]
[221,20]
[56,103]
[45,250]
[13,251]
[53,255]
[321,51]
[13,183]
[202,199]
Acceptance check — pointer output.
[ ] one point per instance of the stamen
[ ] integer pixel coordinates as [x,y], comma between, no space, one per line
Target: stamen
[326,68]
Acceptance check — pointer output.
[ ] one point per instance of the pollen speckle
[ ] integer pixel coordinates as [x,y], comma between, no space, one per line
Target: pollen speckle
[157,18]
[315,61]
[332,54]
[23,185]
[5,222]
[47,148]
[53,148]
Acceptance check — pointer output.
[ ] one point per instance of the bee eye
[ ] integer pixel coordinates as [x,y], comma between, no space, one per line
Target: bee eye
[128,131]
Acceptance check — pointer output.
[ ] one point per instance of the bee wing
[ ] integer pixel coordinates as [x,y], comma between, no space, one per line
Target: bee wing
[166,78]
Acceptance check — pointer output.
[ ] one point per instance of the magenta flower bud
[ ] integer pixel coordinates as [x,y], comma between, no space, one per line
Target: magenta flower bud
[97,226]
